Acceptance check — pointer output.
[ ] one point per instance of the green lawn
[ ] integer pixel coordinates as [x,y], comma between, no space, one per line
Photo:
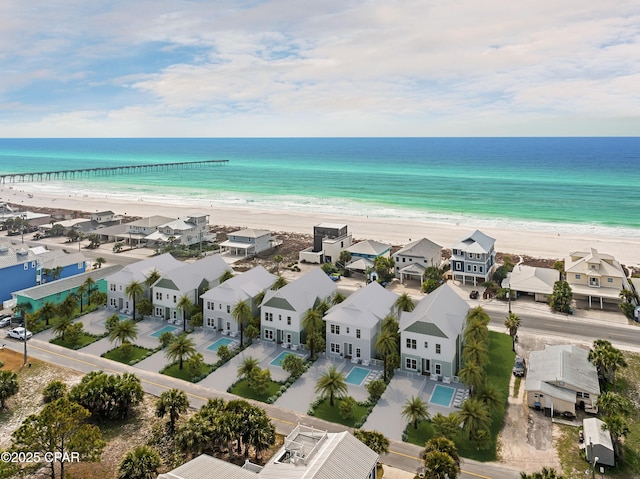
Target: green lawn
[242,389]
[328,413]
[184,373]
[84,340]
[135,353]
[499,374]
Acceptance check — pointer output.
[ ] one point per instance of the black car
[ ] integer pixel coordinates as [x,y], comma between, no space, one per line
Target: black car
[474,294]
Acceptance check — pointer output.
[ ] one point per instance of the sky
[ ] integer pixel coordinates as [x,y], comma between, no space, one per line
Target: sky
[275,68]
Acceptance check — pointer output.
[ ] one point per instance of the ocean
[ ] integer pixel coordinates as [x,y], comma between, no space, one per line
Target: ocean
[589,185]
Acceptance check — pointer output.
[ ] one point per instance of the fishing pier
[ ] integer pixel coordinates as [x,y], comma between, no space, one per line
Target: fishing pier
[108,171]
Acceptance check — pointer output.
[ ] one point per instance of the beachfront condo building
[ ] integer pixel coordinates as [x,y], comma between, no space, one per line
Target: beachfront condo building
[473,258]
[353,326]
[190,280]
[282,310]
[595,277]
[431,335]
[218,303]
[139,271]
[329,240]
[412,261]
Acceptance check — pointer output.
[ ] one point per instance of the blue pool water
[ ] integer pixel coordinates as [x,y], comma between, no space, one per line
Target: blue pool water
[166,329]
[220,342]
[442,395]
[124,316]
[278,360]
[357,375]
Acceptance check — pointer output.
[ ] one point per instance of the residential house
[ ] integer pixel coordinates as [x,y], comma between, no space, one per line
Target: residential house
[473,258]
[369,249]
[139,271]
[190,279]
[413,260]
[186,231]
[352,326]
[218,303]
[530,281]
[103,216]
[22,268]
[431,335]
[247,242]
[282,310]
[307,453]
[57,264]
[561,377]
[597,442]
[595,276]
[55,292]
[329,240]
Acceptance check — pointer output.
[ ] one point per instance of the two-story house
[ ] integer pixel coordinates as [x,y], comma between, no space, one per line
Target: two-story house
[595,276]
[329,239]
[138,271]
[218,302]
[369,249]
[431,335]
[473,258]
[413,260]
[353,326]
[247,242]
[187,231]
[282,310]
[190,279]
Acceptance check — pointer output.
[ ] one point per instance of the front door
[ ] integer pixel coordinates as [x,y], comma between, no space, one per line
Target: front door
[426,365]
[348,349]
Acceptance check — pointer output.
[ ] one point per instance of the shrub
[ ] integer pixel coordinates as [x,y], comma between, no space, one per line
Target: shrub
[376,388]
[54,390]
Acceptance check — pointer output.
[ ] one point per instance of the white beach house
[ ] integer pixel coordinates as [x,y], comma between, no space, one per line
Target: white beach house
[329,240]
[247,242]
[218,302]
[282,310]
[431,335]
[412,261]
[352,326]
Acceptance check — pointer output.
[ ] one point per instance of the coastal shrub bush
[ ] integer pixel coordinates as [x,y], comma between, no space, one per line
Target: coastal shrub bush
[54,390]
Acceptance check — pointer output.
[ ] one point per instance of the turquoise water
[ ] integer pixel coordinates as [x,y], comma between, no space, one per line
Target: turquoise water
[166,329]
[277,361]
[220,342]
[356,376]
[589,185]
[442,395]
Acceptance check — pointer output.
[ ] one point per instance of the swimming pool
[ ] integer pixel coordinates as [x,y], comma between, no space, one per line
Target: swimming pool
[166,329]
[220,342]
[278,360]
[442,396]
[356,376]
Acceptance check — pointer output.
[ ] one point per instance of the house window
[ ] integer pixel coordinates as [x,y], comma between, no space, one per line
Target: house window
[220,306]
[577,276]
[174,315]
[26,266]
[609,280]
[335,348]
[358,333]
[475,268]
[228,308]
[411,364]
[437,349]
[404,260]
[288,320]
[438,369]
[211,322]
[357,352]
[112,287]
[228,325]
[80,265]
[175,299]
[347,330]
[158,311]
[268,334]
[279,317]
[426,345]
[468,267]
[271,317]
[411,344]
[480,269]
[335,329]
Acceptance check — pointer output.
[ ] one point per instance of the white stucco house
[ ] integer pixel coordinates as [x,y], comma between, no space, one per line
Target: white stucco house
[431,335]
[473,258]
[218,302]
[412,261]
[531,281]
[247,242]
[352,326]
[282,310]
[329,240]
[190,279]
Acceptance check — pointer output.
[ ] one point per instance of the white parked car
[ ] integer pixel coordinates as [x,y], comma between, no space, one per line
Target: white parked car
[19,333]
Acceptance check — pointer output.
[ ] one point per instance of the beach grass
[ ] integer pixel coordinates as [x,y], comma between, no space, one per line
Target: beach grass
[241,388]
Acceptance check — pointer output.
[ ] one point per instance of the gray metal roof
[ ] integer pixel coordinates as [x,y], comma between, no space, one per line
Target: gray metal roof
[531,280]
[369,247]
[53,287]
[477,242]
[207,467]
[594,433]
[563,366]
[303,293]
[61,259]
[189,276]
[243,286]
[139,270]
[422,248]
[365,308]
[444,308]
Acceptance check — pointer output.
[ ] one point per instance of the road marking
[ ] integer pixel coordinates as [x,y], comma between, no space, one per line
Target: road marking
[163,386]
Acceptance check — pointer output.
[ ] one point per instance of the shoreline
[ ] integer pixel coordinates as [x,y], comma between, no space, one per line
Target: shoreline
[397,231]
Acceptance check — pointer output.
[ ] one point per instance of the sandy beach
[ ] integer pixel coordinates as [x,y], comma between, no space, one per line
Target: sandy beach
[394,231]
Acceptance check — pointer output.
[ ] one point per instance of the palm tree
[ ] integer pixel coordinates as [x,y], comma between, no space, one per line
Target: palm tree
[277,259]
[227,274]
[100,261]
[67,307]
[312,324]
[47,312]
[490,395]
[476,331]
[344,258]
[322,307]
[390,324]
[616,360]
[241,312]
[607,359]
[386,344]
[62,326]
[124,332]
[610,403]
[445,426]
[172,402]
[259,298]
[404,303]
[81,291]
[337,298]
[446,446]
[440,465]
[332,384]
[475,415]
[89,284]
[472,375]
[415,410]
[141,463]
[280,282]
[512,323]
[56,272]
[181,348]
[478,314]
[544,473]
[248,367]
[133,290]
[184,303]
[475,352]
